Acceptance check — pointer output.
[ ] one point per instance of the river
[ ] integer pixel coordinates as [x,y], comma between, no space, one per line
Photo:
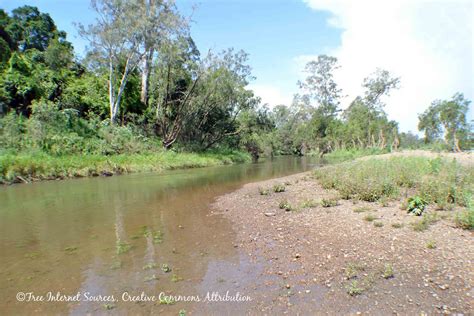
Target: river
[139,234]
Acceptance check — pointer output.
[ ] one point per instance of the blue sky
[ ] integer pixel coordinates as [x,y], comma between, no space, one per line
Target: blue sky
[426,43]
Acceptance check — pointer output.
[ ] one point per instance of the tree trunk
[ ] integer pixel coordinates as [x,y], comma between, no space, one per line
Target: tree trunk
[147,60]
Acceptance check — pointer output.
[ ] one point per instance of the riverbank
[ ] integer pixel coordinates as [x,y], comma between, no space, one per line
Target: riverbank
[29,167]
[326,255]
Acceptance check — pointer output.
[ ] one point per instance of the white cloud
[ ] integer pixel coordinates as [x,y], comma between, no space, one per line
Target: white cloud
[271,94]
[429,44]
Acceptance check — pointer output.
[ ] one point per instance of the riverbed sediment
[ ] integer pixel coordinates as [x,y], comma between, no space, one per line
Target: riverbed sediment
[336,260]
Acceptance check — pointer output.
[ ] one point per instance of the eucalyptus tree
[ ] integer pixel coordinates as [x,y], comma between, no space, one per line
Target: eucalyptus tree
[450,116]
[319,85]
[125,35]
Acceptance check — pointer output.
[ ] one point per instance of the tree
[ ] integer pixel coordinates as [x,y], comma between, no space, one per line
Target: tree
[377,85]
[320,86]
[30,28]
[429,123]
[161,22]
[449,115]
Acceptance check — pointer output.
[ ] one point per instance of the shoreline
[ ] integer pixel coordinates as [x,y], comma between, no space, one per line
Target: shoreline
[335,260]
[37,167]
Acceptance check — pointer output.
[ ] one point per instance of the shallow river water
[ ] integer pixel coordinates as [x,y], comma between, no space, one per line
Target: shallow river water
[101,242]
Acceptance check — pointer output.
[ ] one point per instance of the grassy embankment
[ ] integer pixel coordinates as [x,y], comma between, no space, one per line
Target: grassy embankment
[442,184]
[34,166]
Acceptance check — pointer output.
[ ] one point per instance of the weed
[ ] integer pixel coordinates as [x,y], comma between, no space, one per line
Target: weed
[182,312]
[263,191]
[354,289]
[416,205]
[397,225]
[149,266]
[378,224]
[151,278]
[425,222]
[329,202]
[278,188]
[285,205]
[465,219]
[109,306]
[431,244]
[165,268]
[175,278]
[362,209]
[122,247]
[370,218]
[388,271]
[309,203]
[166,300]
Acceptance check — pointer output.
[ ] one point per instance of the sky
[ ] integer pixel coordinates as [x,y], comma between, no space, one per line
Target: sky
[427,43]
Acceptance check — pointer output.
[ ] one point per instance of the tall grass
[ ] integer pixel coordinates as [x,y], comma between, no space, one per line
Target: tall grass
[445,183]
[42,166]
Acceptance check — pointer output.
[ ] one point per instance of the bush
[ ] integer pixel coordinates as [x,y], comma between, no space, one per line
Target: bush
[416,205]
[278,188]
[465,219]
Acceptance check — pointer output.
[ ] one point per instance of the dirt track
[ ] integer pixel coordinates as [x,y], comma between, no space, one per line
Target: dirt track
[314,256]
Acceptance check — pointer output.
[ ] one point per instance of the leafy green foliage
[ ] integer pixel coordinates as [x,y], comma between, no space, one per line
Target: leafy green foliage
[416,205]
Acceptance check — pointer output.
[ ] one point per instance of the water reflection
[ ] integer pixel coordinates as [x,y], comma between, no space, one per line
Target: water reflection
[102,235]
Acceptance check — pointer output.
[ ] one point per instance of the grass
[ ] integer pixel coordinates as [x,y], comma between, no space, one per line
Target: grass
[388,271]
[309,204]
[330,202]
[354,288]
[431,244]
[362,209]
[441,182]
[370,218]
[397,225]
[285,205]
[465,219]
[426,221]
[278,188]
[33,166]
[351,154]
[378,224]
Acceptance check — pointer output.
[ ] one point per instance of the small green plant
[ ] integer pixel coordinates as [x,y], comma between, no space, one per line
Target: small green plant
[416,205]
[354,288]
[166,300]
[109,306]
[370,218]
[388,271]
[309,204]
[122,247]
[149,266]
[425,222]
[362,209]
[151,278]
[165,268]
[285,205]
[329,202]
[263,191]
[353,269]
[278,188]
[431,244]
[175,278]
[378,224]
[397,225]
[182,312]
[70,249]
[465,219]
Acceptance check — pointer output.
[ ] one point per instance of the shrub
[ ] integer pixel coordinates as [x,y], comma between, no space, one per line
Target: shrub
[263,191]
[285,205]
[277,188]
[416,205]
[329,202]
[465,219]
[370,218]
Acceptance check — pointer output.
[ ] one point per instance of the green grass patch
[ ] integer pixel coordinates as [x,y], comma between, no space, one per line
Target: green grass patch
[37,165]
[435,181]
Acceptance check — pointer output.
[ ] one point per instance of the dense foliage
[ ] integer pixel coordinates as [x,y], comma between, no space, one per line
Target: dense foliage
[145,87]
